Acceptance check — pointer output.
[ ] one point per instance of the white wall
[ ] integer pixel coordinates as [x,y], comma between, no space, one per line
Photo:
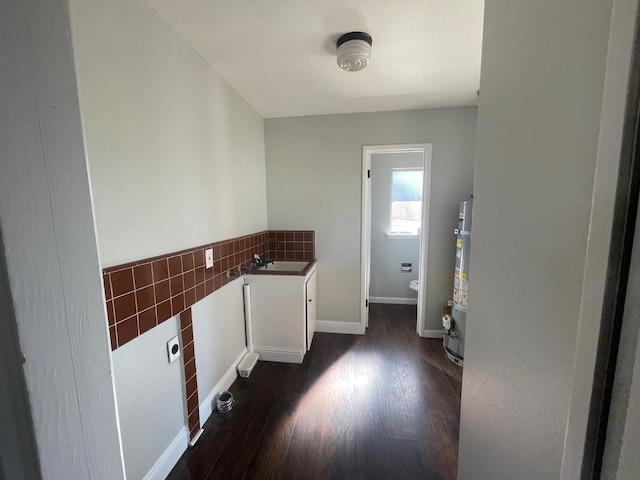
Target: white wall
[387,281]
[324,156]
[150,390]
[150,398]
[51,253]
[176,160]
[218,335]
[538,125]
[176,156]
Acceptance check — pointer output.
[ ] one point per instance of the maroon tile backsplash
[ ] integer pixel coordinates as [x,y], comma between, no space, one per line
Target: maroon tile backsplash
[127,330]
[160,270]
[107,286]
[190,378]
[163,311]
[146,320]
[293,245]
[111,320]
[142,275]
[122,282]
[192,386]
[145,293]
[145,298]
[124,306]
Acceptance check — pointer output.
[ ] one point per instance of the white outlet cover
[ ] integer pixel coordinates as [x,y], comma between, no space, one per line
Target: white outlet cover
[173,349]
[208,255]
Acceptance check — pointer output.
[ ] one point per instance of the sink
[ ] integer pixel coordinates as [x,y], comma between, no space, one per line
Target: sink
[285,266]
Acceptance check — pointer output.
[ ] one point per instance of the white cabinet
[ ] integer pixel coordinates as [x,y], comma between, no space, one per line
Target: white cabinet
[283,313]
[310,291]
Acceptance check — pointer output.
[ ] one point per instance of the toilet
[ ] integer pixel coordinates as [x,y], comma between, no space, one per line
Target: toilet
[413,285]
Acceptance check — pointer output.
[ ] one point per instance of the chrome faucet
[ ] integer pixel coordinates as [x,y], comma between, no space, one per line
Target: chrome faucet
[262,260]
[266,243]
[258,261]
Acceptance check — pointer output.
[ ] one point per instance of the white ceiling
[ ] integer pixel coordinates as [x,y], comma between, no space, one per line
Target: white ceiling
[279,55]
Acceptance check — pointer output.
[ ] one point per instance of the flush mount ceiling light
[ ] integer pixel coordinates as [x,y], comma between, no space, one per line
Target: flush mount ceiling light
[354,51]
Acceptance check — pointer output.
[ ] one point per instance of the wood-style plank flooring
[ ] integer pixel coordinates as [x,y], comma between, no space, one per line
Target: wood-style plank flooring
[384,405]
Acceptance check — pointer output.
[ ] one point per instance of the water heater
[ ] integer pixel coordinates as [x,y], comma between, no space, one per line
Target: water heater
[454,327]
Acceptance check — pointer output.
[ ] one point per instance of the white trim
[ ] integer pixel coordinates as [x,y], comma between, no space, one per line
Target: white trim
[52,255]
[394,300]
[365,232]
[193,441]
[348,328]
[424,239]
[206,406]
[622,28]
[431,334]
[365,240]
[279,354]
[169,457]
[402,236]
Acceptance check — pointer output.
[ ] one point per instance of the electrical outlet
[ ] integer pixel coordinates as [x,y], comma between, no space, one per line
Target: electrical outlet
[208,255]
[173,349]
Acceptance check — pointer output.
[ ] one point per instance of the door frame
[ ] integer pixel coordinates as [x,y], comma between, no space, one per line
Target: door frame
[614,322]
[18,447]
[365,232]
[611,226]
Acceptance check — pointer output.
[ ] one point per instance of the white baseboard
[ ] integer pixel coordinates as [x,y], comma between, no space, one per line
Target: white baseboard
[279,354]
[193,441]
[206,406]
[330,326]
[431,334]
[169,457]
[394,300]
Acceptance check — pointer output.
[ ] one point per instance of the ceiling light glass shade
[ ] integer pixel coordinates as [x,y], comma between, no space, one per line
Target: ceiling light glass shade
[354,51]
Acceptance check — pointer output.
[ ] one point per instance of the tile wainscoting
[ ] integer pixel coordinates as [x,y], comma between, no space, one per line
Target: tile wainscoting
[190,379]
[142,294]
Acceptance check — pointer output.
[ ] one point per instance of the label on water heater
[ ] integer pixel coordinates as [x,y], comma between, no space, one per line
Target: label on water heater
[462,298]
[460,289]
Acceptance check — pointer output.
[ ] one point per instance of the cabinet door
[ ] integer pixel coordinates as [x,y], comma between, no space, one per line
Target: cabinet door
[310,294]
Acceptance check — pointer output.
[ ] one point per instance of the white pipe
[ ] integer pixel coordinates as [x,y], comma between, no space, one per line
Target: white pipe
[247,316]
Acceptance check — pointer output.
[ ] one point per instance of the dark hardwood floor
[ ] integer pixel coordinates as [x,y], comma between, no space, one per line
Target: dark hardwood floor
[384,405]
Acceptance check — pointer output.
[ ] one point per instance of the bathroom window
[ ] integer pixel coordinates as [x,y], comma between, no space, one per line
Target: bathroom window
[406,201]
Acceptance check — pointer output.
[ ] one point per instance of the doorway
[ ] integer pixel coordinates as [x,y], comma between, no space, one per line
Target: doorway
[415,157]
